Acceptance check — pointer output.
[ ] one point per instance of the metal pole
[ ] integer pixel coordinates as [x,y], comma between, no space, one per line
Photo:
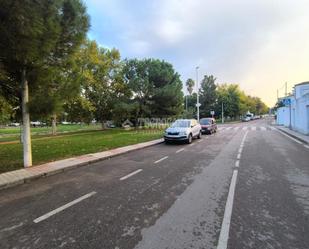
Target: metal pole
[197,96]
[290,126]
[286,89]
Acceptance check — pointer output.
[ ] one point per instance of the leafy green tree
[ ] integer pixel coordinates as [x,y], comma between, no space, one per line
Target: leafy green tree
[36,35]
[102,83]
[79,109]
[208,95]
[156,88]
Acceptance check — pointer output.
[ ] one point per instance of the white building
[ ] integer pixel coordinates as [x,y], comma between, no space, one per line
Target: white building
[295,112]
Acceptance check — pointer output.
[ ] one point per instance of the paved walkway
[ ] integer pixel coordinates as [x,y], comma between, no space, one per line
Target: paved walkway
[24,175]
[297,135]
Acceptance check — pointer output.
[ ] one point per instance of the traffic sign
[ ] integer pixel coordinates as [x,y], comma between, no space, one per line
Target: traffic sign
[212,113]
[198,105]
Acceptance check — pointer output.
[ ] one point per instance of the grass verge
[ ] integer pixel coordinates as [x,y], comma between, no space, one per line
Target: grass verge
[74,144]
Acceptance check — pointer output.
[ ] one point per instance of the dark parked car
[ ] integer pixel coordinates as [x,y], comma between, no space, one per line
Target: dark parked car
[208,125]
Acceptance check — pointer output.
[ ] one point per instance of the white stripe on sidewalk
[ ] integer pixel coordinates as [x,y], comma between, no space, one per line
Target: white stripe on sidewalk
[131,174]
[51,213]
[180,150]
[160,160]
[225,227]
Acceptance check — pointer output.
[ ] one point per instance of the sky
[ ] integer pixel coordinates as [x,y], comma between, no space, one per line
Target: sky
[258,44]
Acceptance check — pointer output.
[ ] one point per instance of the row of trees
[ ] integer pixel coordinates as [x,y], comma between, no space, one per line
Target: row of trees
[49,69]
[212,96]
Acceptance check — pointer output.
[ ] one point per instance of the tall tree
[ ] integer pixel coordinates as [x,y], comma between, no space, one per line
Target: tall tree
[156,88]
[208,95]
[36,35]
[190,85]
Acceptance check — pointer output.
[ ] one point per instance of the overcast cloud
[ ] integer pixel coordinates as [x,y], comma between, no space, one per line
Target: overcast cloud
[257,44]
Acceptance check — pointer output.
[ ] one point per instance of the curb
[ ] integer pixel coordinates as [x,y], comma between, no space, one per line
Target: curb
[34,172]
[292,135]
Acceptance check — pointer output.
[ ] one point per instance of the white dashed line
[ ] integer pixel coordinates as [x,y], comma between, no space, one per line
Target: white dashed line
[236,128]
[244,128]
[237,163]
[253,128]
[240,149]
[238,156]
[160,160]
[180,150]
[306,146]
[51,213]
[263,128]
[131,174]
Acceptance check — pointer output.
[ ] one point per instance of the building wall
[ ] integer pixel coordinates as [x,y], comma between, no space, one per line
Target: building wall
[299,110]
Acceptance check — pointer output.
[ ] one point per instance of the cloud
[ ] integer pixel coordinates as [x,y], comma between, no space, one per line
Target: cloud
[258,44]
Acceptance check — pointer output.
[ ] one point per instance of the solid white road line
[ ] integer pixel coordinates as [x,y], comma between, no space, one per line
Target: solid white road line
[180,150]
[51,213]
[131,174]
[160,160]
[237,163]
[306,146]
[225,227]
[295,140]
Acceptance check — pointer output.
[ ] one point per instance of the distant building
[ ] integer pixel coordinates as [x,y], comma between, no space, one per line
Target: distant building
[295,110]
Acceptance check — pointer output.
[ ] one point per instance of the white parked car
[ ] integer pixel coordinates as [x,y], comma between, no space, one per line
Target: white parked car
[183,130]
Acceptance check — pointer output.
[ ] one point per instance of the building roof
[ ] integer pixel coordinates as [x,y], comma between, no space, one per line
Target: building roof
[303,83]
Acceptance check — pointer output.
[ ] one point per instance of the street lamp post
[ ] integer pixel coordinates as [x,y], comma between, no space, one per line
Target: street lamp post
[197,96]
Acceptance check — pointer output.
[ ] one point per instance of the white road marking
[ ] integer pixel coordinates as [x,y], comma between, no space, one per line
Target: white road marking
[225,227]
[131,174]
[295,140]
[199,141]
[180,150]
[12,227]
[240,149]
[244,128]
[238,156]
[191,144]
[263,128]
[272,128]
[306,146]
[228,128]
[51,213]
[236,128]
[160,160]
[237,163]
[253,128]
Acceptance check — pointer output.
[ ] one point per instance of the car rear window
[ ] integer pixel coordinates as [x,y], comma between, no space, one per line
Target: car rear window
[205,121]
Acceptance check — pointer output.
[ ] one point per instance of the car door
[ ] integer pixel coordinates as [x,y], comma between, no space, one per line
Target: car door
[196,129]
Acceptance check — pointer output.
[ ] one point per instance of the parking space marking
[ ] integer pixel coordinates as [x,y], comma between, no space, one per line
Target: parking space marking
[180,150]
[131,174]
[53,212]
[160,160]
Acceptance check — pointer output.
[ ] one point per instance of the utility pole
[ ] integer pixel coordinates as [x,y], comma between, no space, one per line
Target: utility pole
[277,94]
[197,96]
[286,89]
[222,114]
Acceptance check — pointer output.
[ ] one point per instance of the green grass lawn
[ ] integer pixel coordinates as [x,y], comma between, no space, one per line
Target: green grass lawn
[48,129]
[50,148]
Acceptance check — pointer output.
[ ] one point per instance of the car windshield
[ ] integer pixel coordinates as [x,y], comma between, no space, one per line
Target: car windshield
[181,123]
[205,121]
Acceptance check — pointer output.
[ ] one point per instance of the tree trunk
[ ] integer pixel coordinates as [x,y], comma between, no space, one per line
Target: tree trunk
[54,124]
[26,121]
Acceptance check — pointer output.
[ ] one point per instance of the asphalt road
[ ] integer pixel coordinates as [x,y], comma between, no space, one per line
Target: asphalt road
[245,187]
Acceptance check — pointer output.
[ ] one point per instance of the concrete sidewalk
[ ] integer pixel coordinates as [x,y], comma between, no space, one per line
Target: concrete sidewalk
[303,138]
[27,174]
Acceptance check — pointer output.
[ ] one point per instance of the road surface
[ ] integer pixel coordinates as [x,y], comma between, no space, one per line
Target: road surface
[247,186]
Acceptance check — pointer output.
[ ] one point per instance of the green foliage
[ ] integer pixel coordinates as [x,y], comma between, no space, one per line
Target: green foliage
[190,85]
[208,95]
[156,88]
[6,111]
